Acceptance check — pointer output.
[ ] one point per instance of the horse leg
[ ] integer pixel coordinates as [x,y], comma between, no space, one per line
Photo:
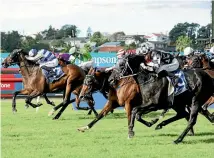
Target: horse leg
[34,94]
[181,113]
[129,113]
[78,104]
[191,132]
[139,119]
[154,121]
[132,121]
[149,124]
[66,100]
[23,92]
[91,105]
[51,112]
[108,107]
[63,108]
[208,103]
[136,110]
[192,121]
[207,114]
[48,101]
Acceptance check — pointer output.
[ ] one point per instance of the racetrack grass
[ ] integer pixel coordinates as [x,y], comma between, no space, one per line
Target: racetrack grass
[28,134]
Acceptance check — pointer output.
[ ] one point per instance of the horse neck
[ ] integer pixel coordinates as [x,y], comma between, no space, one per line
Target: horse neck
[126,81]
[26,68]
[101,77]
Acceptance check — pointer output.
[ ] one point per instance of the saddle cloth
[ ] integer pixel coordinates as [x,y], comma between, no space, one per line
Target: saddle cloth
[58,74]
[181,85]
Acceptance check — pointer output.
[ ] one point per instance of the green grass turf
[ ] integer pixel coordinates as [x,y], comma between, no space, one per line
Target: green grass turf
[28,134]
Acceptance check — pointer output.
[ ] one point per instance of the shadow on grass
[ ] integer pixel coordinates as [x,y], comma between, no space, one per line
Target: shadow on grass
[205,134]
[167,135]
[207,141]
[196,134]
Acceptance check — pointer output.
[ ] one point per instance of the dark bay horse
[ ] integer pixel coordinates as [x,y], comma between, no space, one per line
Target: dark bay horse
[200,61]
[37,85]
[127,95]
[155,95]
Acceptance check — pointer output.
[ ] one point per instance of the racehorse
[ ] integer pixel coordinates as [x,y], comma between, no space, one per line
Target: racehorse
[98,80]
[37,84]
[199,61]
[154,96]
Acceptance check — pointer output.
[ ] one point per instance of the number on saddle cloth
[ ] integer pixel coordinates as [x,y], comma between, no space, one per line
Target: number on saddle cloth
[181,84]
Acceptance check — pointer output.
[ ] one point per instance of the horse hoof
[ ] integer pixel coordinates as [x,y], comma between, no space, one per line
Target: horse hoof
[26,106]
[131,134]
[154,121]
[176,142]
[83,129]
[39,104]
[53,104]
[55,118]
[51,112]
[14,111]
[158,127]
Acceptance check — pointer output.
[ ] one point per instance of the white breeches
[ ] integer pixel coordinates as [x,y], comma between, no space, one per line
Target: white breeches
[170,67]
[52,63]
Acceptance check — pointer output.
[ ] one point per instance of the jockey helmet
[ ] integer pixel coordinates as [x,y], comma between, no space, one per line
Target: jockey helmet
[145,48]
[32,52]
[212,50]
[188,51]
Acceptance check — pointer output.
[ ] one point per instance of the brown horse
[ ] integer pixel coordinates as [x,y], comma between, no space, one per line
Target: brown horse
[127,96]
[36,83]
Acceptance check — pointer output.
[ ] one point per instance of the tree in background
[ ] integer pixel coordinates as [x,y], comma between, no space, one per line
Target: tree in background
[27,43]
[184,29]
[130,46]
[204,31]
[10,40]
[115,36]
[98,38]
[182,42]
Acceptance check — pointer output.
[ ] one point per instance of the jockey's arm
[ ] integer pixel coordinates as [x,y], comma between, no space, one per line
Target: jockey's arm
[35,58]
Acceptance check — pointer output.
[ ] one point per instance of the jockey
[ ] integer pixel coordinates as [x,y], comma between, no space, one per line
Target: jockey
[44,58]
[159,61]
[195,59]
[120,61]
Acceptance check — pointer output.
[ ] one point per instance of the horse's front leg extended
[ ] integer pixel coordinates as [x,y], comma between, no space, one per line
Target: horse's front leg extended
[108,107]
[34,94]
[23,92]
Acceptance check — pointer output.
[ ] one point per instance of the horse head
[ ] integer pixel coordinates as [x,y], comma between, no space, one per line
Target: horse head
[88,84]
[13,58]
